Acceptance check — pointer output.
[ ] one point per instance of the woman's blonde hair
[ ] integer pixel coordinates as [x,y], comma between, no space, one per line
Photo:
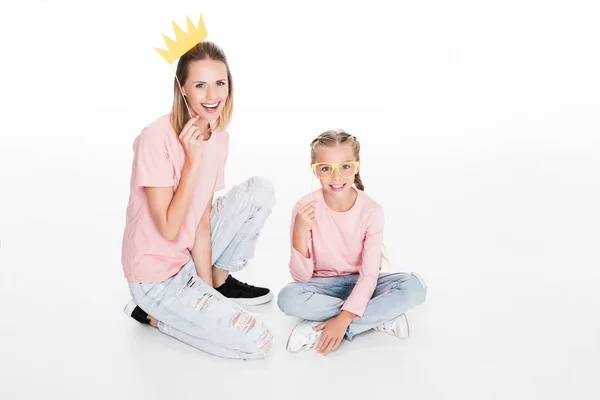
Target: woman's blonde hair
[202,51]
[332,138]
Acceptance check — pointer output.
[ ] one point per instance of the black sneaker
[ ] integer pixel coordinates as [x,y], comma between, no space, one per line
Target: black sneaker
[134,311]
[244,294]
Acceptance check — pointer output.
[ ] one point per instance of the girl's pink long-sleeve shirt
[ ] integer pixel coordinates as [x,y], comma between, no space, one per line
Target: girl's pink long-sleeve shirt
[342,243]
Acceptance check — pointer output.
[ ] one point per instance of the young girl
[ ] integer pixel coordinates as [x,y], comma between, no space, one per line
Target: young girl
[179,247]
[336,238]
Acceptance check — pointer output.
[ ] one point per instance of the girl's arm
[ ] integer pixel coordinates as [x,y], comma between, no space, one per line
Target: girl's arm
[301,262]
[202,250]
[371,257]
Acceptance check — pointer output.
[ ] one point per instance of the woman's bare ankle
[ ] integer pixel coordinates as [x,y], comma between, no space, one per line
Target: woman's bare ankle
[219,276]
[153,321]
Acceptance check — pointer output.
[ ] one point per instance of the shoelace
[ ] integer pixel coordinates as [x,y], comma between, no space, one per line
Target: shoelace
[312,340]
[388,327]
[241,284]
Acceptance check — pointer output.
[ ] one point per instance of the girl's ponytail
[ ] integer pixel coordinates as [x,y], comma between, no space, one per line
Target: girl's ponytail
[358,182]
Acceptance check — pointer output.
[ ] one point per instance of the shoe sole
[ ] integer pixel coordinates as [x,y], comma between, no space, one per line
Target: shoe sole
[129,308]
[254,301]
[405,318]
[407,328]
[287,345]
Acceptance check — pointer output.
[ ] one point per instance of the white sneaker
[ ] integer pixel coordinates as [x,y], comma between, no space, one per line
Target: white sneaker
[396,327]
[303,337]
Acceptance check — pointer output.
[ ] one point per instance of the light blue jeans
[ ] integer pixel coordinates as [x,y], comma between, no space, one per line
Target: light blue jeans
[195,313]
[321,299]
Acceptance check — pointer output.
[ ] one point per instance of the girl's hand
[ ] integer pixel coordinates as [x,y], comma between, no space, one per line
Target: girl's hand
[191,137]
[304,218]
[333,332]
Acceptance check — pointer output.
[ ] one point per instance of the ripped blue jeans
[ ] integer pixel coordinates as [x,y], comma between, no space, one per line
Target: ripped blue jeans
[193,312]
[321,299]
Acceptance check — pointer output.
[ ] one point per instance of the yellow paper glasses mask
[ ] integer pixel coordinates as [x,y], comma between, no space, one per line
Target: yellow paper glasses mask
[345,169]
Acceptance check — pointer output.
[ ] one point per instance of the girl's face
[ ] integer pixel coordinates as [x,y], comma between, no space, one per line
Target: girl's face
[336,181]
[206,88]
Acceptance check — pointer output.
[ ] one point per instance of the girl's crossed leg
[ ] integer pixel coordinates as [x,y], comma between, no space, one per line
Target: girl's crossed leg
[321,299]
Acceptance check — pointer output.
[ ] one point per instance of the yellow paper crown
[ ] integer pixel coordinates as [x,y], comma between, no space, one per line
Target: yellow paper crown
[183,42]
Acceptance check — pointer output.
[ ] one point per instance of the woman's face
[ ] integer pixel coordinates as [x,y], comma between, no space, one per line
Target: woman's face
[206,88]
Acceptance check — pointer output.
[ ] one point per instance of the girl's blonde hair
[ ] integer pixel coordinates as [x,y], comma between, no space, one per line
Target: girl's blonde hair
[202,51]
[333,138]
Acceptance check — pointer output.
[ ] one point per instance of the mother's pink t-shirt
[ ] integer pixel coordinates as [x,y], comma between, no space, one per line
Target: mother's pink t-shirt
[158,162]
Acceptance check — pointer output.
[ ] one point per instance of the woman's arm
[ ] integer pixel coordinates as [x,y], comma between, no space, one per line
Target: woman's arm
[168,207]
[202,250]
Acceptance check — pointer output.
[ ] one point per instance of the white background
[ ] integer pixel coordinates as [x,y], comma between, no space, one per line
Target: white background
[479,122]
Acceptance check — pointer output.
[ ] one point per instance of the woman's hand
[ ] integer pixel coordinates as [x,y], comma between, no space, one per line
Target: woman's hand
[333,332]
[191,137]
